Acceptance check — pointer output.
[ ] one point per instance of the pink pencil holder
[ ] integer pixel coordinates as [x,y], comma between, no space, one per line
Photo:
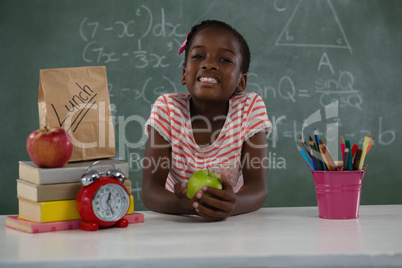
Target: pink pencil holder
[338,193]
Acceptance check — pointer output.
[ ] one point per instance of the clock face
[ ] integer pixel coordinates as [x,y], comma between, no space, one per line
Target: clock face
[110,202]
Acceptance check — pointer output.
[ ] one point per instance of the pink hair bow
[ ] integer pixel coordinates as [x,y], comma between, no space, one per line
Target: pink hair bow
[183,46]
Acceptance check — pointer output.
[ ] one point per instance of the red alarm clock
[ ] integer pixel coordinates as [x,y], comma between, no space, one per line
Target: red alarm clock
[103,200]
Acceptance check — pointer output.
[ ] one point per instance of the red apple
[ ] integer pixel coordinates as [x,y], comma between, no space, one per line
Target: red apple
[49,147]
[202,178]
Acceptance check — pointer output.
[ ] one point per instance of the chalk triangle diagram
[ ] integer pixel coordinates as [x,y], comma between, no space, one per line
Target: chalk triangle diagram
[314,23]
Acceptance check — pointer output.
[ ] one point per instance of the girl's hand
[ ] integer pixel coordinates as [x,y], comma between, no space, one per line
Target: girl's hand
[180,191]
[220,205]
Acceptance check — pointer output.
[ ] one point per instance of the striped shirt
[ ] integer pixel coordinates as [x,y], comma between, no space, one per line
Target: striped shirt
[170,116]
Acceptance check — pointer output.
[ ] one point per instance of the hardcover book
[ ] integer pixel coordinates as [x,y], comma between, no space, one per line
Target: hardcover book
[71,172]
[52,211]
[52,192]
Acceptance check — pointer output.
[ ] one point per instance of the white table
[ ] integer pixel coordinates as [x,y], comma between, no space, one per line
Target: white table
[269,237]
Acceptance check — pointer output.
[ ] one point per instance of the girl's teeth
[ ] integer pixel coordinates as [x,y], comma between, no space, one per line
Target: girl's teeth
[208,80]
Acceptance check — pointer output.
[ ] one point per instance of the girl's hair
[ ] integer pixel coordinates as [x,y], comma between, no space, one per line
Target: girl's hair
[245,51]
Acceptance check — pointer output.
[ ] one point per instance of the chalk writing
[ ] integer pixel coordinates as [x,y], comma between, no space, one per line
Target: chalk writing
[285,89]
[142,25]
[151,89]
[341,88]
[295,35]
[279,6]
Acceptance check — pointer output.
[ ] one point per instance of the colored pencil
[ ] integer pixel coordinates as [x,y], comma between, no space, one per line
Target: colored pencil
[305,146]
[313,160]
[315,150]
[364,150]
[327,156]
[370,143]
[317,141]
[325,162]
[313,145]
[350,159]
[354,148]
[347,144]
[356,161]
[345,159]
[305,156]
[342,148]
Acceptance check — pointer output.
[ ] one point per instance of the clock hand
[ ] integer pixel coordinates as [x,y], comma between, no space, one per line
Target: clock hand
[110,206]
[109,202]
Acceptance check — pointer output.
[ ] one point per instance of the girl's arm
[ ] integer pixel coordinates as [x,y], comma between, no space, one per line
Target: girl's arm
[255,164]
[155,171]
[252,196]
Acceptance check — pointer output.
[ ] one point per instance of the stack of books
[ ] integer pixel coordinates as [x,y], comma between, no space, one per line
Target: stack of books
[46,196]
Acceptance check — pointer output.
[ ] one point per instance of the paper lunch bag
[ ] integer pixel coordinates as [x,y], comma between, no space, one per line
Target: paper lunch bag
[77,99]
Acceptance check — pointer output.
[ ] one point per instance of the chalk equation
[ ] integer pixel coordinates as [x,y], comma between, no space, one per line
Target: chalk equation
[142,25]
[326,90]
[149,90]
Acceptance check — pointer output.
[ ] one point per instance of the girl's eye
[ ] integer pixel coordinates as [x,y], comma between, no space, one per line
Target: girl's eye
[196,56]
[226,60]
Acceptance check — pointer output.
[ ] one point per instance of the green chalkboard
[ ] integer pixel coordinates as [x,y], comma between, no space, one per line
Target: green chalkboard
[331,65]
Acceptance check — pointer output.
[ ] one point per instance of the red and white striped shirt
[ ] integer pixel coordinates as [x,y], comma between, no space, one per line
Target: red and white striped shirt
[170,116]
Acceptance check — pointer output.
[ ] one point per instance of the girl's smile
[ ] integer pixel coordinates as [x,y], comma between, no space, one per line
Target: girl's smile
[208,78]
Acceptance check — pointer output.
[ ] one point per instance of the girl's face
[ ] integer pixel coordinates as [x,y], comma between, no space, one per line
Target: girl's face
[212,72]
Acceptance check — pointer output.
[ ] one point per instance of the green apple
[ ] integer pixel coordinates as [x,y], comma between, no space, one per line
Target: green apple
[202,178]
